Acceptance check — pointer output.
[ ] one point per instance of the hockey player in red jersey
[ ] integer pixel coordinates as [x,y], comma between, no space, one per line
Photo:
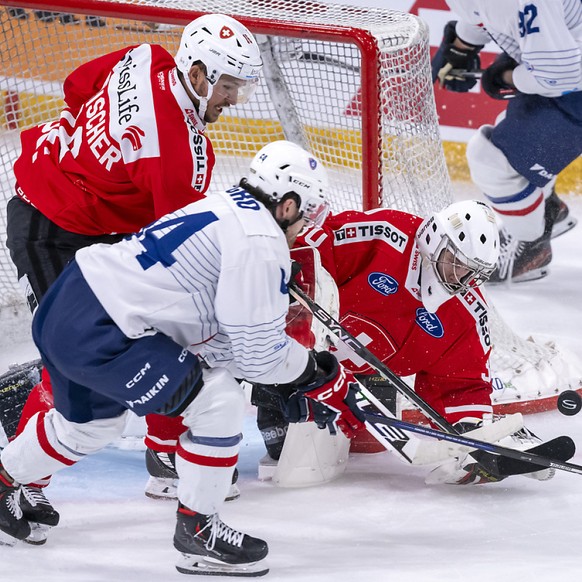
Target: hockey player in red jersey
[128,147]
[409,289]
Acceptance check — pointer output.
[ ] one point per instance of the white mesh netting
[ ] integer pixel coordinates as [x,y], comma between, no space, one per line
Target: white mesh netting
[351,84]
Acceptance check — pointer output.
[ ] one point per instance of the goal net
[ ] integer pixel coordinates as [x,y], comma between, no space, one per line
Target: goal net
[350,84]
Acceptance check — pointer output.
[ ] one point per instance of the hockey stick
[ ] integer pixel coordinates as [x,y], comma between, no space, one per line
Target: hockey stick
[357,347]
[564,443]
[373,399]
[485,460]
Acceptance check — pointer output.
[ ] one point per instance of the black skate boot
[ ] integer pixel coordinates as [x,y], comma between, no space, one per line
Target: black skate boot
[13,524]
[562,220]
[527,261]
[162,483]
[521,261]
[39,512]
[209,546]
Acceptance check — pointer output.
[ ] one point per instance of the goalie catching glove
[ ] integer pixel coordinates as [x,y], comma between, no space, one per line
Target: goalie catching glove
[328,399]
[449,57]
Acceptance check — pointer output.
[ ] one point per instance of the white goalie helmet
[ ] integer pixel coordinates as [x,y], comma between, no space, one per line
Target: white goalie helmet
[226,47]
[282,167]
[459,247]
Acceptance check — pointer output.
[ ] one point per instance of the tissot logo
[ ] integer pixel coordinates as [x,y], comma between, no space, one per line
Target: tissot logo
[430,323]
[365,231]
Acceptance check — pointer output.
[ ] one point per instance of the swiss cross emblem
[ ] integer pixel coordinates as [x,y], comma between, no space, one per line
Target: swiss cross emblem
[199,179]
[226,32]
[351,232]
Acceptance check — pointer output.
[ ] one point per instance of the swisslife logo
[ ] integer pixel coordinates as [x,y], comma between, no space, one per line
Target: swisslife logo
[134,136]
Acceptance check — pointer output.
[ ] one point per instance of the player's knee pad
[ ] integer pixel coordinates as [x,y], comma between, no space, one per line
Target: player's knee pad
[219,407]
[519,202]
[85,438]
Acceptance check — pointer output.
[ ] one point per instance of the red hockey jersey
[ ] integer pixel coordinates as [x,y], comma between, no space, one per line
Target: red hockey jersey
[128,148]
[374,260]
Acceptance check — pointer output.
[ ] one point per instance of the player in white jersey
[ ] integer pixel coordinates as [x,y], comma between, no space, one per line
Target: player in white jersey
[515,162]
[129,146]
[166,321]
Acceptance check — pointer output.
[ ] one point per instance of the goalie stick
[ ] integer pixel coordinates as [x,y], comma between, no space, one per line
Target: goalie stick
[488,461]
[376,396]
[561,447]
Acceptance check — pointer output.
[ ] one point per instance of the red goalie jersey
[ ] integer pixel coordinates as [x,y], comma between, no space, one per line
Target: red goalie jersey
[128,148]
[374,260]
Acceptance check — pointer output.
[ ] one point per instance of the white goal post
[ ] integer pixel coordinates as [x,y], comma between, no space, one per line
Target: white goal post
[351,84]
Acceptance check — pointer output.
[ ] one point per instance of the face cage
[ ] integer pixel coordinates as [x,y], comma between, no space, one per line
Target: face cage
[476,275]
[314,212]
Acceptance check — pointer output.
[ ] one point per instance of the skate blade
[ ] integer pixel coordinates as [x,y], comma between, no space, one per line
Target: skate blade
[161,496]
[532,275]
[233,493]
[38,534]
[198,565]
[563,226]
[6,540]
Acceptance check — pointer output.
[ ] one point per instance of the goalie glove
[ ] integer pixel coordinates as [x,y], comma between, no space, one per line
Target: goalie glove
[492,80]
[449,57]
[328,400]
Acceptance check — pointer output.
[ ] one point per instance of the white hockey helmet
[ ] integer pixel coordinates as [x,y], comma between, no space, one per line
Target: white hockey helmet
[459,247]
[226,47]
[282,167]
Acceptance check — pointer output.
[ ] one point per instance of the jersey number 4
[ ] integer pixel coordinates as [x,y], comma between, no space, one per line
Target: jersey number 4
[160,248]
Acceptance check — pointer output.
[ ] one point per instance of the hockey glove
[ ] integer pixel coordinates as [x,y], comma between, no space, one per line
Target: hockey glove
[492,79]
[450,57]
[328,400]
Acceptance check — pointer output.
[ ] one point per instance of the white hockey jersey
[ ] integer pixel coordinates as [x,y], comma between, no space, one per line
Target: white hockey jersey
[212,276]
[544,36]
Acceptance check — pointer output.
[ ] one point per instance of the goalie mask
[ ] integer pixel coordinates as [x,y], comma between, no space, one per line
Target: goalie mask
[283,167]
[225,47]
[459,247]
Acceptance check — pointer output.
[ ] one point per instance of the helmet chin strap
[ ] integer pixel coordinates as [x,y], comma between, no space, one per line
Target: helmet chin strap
[202,101]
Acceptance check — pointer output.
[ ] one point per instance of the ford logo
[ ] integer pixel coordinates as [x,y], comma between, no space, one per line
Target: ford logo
[429,323]
[384,284]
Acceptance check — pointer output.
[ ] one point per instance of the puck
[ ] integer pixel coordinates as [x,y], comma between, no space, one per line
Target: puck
[569,402]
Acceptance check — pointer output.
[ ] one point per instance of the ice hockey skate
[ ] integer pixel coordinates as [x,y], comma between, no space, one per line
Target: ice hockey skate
[521,261]
[13,524]
[39,512]
[210,547]
[163,481]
